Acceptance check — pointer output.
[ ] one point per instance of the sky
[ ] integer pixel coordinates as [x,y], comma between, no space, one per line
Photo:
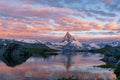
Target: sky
[51,19]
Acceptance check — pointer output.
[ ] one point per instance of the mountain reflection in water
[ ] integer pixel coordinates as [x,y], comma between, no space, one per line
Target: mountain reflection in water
[66,64]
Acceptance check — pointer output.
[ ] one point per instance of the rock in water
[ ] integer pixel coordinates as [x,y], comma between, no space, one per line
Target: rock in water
[14,54]
[112,51]
[117,64]
[110,60]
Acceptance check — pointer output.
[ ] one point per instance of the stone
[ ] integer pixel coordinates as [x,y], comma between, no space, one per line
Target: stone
[14,54]
[110,60]
[117,64]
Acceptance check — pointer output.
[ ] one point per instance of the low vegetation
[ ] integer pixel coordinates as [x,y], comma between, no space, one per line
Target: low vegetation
[107,66]
[102,50]
[42,52]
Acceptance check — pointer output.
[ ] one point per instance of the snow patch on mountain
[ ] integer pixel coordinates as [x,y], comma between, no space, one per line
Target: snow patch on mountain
[77,43]
[68,42]
[94,45]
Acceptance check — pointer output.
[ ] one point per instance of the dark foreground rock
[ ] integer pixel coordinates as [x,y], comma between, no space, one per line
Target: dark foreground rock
[112,51]
[13,54]
[112,59]
[111,54]
[117,64]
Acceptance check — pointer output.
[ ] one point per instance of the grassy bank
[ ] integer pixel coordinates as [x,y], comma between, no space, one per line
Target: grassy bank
[102,50]
[42,52]
[37,50]
[107,66]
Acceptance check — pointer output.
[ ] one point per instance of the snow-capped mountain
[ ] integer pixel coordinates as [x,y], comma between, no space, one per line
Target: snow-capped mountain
[71,43]
[91,46]
[31,41]
[116,43]
[68,42]
[68,37]
[33,44]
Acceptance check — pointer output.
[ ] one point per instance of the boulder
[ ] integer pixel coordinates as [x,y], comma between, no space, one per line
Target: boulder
[117,64]
[111,51]
[14,54]
[110,60]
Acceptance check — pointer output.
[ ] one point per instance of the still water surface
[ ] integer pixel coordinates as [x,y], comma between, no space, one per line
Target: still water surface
[66,64]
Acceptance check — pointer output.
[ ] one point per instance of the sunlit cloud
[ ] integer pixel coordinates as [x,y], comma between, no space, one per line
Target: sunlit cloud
[108,1]
[46,19]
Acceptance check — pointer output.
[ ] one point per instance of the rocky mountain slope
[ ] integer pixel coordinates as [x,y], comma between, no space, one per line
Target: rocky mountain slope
[69,42]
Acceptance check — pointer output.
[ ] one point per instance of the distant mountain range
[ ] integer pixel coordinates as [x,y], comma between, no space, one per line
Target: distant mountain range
[35,44]
[67,43]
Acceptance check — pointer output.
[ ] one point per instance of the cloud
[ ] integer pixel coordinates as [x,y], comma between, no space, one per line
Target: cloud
[103,13]
[108,1]
[28,11]
[112,26]
[36,18]
[79,24]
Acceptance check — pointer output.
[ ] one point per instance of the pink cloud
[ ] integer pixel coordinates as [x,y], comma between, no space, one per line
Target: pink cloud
[108,1]
[112,26]
[30,11]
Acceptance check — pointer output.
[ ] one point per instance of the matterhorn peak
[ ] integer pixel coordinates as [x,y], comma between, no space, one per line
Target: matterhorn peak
[68,37]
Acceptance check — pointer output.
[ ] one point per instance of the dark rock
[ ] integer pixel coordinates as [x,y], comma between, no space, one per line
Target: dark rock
[111,51]
[117,64]
[110,60]
[14,54]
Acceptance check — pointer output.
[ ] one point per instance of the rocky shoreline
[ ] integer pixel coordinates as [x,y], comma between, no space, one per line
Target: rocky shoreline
[112,59]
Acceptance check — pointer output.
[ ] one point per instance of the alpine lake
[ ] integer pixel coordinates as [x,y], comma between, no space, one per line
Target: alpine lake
[66,65]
